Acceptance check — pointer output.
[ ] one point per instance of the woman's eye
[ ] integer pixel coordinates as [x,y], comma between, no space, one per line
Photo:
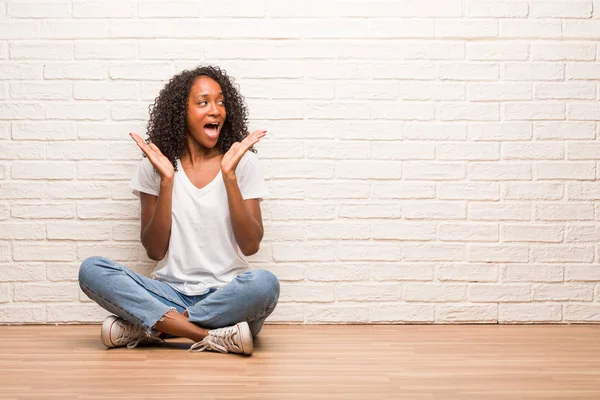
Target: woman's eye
[202,103]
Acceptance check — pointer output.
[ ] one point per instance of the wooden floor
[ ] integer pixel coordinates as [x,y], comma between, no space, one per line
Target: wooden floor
[311,362]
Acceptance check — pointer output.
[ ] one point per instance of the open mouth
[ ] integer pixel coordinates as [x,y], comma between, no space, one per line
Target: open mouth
[212,130]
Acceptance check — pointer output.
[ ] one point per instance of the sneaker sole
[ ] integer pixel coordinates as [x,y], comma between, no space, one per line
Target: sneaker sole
[246,337]
[105,331]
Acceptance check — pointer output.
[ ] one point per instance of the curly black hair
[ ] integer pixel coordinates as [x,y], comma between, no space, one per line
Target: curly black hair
[167,124]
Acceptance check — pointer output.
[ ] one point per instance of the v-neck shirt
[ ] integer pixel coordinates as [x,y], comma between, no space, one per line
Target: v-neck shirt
[203,252]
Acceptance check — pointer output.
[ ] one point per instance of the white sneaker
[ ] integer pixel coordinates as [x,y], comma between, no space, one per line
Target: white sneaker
[231,339]
[117,332]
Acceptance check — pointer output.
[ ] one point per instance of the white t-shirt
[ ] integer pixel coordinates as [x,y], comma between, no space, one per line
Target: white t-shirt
[203,252]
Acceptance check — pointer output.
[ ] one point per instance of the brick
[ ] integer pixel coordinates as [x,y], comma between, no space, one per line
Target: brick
[466,313]
[105,50]
[38,9]
[43,131]
[565,170]
[105,91]
[548,51]
[337,273]
[432,292]
[22,151]
[78,231]
[402,190]
[402,272]
[548,130]
[533,151]
[583,111]
[22,272]
[564,212]
[19,313]
[307,292]
[498,51]
[499,171]
[533,71]
[42,210]
[582,312]
[467,272]
[336,190]
[469,29]
[140,71]
[562,292]
[532,233]
[469,191]
[77,111]
[21,111]
[497,9]
[500,131]
[535,29]
[402,313]
[369,251]
[39,251]
[21,70]
[497,253]
[565,91]
[582,273]
[468,151]
[87,170]
[22,231]
[103,9]
[301,211]
[19,30]
[41,50]
[434,252]
[468,233]
[80,29]
[498,91]
[337,313]
[532,273]
[287,313]
[563,254]
[529,313]
[561,9]
[434,210]
[77,151]
[469,112]
[303,252]
[414,170]
[43,170]
[401,230]
[368,291]
[45,292]
[370,211]
[368,170]
[407,111]
[78,190]
[104,210]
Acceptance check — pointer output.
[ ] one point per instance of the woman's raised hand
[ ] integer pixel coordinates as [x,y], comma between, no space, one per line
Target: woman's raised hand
[232,158]
[161,163]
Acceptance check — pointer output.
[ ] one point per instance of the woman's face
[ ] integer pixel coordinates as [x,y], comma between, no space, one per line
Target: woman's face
[206,111]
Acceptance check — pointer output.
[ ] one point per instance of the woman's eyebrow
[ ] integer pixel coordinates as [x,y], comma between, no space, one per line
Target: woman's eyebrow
[207,95]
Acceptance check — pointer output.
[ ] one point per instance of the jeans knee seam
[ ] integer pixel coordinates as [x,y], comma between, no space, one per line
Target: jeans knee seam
[154,291]
[111,303]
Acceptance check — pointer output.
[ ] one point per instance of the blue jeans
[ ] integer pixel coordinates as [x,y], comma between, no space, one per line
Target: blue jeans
[251,297]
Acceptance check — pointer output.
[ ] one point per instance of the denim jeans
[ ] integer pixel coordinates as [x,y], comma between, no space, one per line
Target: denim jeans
[250,297]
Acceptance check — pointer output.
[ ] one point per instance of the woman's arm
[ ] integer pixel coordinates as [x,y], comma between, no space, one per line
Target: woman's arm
[156,220]
[156,210]
[246,218]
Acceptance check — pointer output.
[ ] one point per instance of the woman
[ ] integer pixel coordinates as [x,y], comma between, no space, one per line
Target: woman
[200,191]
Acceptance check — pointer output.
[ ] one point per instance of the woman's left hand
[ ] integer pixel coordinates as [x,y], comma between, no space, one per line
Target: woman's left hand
[232,158]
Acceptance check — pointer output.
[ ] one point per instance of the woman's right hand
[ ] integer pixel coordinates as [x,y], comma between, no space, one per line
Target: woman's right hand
[161,163]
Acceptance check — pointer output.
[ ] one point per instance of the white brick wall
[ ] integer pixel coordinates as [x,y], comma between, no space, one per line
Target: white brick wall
[430,161]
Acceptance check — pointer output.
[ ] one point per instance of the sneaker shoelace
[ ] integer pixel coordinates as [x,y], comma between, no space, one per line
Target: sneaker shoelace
[134,335]
[220,340]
